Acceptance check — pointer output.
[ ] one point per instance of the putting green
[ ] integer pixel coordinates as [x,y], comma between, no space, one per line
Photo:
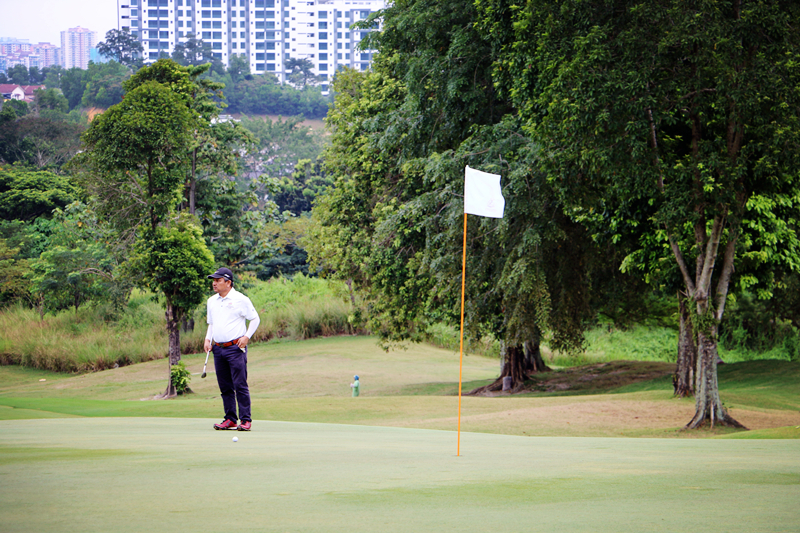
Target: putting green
[145,474]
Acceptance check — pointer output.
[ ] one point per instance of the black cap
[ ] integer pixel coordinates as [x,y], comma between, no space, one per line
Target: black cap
[222,273]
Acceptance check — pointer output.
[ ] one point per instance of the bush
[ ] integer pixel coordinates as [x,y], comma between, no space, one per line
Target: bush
[180,377]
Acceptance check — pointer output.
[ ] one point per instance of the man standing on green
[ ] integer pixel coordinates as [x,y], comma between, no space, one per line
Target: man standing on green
[228,335]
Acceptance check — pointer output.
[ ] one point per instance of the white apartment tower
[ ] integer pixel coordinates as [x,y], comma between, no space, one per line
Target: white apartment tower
[266,32]
[76,46]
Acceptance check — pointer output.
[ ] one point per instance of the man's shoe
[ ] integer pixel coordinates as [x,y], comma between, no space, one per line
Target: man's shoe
[244,426]
[226,424]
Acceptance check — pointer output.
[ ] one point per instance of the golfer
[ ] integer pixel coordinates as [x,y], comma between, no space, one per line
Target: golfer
[228,336]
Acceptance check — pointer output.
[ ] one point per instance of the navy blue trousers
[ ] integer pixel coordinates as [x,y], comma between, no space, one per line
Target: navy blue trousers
[230,364]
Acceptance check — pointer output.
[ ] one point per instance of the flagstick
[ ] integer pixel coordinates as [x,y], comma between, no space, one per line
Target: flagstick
[461,348]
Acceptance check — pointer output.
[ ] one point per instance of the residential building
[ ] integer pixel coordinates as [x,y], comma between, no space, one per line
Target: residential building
[22,52]
[49,54]
[76,45]
[10,91]
[265,32]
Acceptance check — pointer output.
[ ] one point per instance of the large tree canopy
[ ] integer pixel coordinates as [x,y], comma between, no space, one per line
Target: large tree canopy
[680,115]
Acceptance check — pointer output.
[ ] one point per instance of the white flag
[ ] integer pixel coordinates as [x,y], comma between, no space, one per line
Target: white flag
[482,194]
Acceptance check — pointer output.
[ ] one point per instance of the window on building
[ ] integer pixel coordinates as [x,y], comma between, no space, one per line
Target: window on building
[323,14]
[270,46]
[216,46]
[347,56]
[205,3]
[233,45]
[134,2]
[270,67]
[217,35]
[156,13]
[134,12]
[216,3]
[206,35]
[259,46]
[217,24]
[338,56]
[153,44]
[207,24]
[259,35]
[206,14]
[269,24]
[163,34]
[180,24]
[135,23]
[241,13]
[260,56]
[323,46]
[216,14]
[364,57]
[243,34]
[153,55]
[218,55]
[180,12]
[322,67]
[323,35]
[323,57]
[270,57]
[338,35]
[323,25]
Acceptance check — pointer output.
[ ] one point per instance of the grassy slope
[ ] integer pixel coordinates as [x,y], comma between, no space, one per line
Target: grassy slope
[309,382]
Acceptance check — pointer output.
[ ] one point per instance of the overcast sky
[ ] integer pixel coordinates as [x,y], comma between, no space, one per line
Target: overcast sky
[44,20]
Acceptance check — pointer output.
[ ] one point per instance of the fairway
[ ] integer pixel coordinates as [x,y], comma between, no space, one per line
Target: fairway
[136,474]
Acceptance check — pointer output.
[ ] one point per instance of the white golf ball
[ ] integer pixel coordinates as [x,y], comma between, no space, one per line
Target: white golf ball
[235,439]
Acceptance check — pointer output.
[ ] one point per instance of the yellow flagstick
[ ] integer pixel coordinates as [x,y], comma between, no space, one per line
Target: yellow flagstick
[461,348]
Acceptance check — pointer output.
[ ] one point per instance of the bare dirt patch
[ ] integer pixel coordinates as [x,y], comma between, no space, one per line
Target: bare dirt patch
[590,378]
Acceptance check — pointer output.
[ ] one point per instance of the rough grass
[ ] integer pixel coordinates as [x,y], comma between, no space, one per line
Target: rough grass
[84,342]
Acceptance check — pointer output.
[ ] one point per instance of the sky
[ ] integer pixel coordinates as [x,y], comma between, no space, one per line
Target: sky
[44,20]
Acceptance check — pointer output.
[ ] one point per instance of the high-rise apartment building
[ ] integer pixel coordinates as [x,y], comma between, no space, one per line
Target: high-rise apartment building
[265,32]
[76,46]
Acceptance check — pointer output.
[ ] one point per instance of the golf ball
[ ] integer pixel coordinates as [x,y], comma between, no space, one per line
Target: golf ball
[235,439]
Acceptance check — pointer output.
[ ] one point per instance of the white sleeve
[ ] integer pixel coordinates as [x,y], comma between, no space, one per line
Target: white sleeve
[208,333]
[251,328]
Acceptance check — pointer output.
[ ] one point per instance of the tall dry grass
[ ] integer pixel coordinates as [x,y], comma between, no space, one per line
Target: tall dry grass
[83,342]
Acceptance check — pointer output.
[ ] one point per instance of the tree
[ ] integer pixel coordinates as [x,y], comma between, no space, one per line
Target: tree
[135,156]
[302,72]
[683,114]
[104,84]
[122,47]
[174,262]
[26,194]
[18,74]
[36,76]
[73,84]
[135,164]
[50,99]
[239,68]
[53,77]
[193,51]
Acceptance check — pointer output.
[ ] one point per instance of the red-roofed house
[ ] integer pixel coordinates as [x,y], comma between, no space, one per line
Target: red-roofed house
[11,91]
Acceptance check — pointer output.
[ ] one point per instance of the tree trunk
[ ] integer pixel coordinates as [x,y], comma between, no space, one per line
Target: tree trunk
[193,183]
[174,331]
[516,362]
[533,354]
[709,407]
[187,324]
[683,380]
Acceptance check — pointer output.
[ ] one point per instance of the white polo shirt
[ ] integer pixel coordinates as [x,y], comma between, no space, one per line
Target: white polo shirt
[226,317]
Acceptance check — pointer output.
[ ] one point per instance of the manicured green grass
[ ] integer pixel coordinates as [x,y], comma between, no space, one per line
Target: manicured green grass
[132,474]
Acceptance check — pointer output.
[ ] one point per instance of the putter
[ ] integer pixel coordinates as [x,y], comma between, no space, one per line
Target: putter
[205,364]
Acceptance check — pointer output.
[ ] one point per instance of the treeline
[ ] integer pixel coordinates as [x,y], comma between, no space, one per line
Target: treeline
[100,86]
[642,157]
